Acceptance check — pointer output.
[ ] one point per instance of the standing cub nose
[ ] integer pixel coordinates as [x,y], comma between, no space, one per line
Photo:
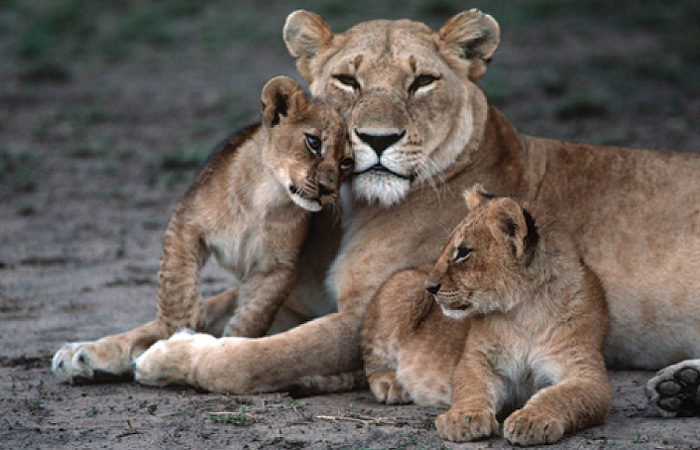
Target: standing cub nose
[380,141]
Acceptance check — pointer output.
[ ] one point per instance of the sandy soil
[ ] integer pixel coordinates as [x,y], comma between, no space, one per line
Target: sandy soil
[89,191]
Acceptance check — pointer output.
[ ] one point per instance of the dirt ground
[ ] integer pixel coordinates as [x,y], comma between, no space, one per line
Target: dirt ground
[106,110]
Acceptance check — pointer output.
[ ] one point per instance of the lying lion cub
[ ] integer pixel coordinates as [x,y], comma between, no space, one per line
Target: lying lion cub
[511,314]
[250,207]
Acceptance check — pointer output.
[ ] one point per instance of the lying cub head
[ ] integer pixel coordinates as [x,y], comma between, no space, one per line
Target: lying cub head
[489,261]
[306,144]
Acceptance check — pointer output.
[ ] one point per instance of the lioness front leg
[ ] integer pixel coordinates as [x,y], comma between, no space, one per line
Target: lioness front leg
[113,356]
[324,346]
[580,400]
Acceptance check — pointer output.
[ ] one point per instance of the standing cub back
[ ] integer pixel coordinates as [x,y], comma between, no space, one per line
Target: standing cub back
[508,315]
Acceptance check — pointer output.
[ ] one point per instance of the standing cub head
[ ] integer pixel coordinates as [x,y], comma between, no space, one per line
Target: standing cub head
[490,262]
[306,147]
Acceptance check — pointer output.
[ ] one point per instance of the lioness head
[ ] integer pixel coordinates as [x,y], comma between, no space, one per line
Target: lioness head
[307,147]
[406,91]
[484,266]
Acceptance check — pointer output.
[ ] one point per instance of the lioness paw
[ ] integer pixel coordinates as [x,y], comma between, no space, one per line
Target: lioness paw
[83,362]
[525,427]
[675,390]
[466,425]
[170,361]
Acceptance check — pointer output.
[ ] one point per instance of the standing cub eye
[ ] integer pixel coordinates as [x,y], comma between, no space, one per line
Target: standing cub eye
[314,143]
[348,80]
[422,81]
[346,163]
[462,253]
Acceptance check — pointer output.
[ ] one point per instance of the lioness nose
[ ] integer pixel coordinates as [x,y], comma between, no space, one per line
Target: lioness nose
[380,141]
[323,189]
[433,288]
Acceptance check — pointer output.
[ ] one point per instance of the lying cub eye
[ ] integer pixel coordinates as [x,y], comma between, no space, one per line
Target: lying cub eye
[421,81]
[348,80]
[462,253]
[346,163]
[314,143]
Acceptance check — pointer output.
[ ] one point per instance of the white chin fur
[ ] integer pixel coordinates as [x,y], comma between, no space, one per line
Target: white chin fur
[309,205]
[385,188]
[455,314]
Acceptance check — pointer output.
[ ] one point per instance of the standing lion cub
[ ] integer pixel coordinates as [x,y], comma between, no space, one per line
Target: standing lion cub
[250,207]
[511,316]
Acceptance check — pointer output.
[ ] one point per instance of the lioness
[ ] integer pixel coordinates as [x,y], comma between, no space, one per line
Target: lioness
[250,206]
[508,310]
[422,131]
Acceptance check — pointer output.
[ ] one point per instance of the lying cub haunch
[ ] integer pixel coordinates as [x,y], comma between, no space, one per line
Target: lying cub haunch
[249,207]
[508,315]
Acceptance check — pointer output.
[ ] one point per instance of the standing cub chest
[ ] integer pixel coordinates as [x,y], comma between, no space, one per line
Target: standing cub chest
[508,317]
[250,207]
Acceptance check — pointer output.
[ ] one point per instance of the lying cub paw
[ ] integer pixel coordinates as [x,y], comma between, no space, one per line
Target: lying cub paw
[530,428]
[675,390]
[387,389]
[83,362]
[170,361]
[466,425]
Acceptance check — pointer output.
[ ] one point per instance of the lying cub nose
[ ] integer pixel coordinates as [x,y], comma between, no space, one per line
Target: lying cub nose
[380,141]
[324,190]
[433,288]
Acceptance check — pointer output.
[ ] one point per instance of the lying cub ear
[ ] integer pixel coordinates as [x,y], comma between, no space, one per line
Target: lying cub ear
[305,34]
[476,196]
[473,36]
[281,97]
[519,227]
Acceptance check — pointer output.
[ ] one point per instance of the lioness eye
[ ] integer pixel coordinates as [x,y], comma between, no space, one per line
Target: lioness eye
[348,80]
[346,163]
[421,81]
[314,143]
[462,253]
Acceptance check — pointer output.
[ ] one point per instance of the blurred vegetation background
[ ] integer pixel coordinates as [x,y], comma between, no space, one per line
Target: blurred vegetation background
[161,81]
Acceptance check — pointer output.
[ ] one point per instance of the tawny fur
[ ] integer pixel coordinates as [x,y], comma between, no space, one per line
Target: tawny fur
[515,315]
[632,213]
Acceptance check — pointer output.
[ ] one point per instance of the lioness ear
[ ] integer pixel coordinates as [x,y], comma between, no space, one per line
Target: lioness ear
[281,97]
[474,36]
[475,196]
[305,34]
[519,227]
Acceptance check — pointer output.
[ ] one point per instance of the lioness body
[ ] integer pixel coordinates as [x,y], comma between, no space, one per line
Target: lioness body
[525,314]
[443,137]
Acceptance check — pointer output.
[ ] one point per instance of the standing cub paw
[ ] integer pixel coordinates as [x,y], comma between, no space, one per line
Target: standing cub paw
[525,427]
[466,425]
[387,389]
[675,390]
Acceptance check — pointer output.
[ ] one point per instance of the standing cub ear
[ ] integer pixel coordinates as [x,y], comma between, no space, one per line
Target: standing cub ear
[519,228]
[474,36]
[305,34]
[281,97]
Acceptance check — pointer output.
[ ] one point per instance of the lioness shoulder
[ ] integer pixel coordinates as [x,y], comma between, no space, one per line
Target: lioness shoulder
[507,311]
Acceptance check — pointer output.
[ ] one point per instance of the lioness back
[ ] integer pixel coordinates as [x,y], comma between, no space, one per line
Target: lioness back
[508,310]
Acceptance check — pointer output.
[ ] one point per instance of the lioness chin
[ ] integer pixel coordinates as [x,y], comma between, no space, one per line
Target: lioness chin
[422,131]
